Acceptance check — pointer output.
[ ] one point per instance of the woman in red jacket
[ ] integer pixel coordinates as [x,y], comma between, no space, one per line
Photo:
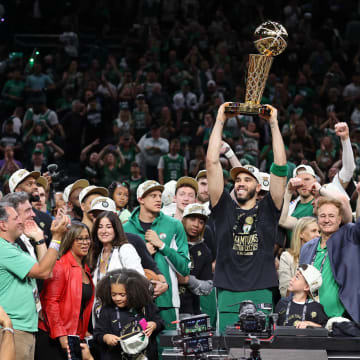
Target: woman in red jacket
[67,297]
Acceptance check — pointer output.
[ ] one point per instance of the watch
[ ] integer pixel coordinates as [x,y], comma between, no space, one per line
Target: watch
[42,241]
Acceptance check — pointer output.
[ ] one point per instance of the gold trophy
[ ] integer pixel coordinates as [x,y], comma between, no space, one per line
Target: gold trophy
[270,39]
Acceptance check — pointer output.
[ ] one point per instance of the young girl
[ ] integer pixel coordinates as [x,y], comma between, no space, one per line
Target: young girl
[126,301]
[120,193]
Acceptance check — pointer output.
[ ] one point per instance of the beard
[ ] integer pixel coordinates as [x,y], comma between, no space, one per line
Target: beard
[249,195]
[203,198]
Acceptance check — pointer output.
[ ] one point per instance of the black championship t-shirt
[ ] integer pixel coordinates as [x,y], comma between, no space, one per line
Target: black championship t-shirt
[245,244]
[314,312]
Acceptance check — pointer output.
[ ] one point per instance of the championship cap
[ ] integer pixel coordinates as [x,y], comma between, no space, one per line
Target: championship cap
[195,209]
[19,176]
[313,278]
[148,186]
[249,169]
[168,194]
[188,181]
[81,183]
[92,189]
[303,169]
[201,174]
[265,181]
[103,203]
[41,180]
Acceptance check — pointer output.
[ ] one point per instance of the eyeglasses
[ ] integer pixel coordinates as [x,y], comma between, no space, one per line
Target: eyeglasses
[83,239]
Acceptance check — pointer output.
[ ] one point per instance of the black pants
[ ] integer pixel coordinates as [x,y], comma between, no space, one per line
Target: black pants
[47,348]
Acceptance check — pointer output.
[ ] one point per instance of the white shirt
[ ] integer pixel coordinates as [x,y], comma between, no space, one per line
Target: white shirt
[124,257]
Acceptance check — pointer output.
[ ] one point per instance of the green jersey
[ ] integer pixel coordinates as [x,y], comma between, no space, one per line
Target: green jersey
[173,167]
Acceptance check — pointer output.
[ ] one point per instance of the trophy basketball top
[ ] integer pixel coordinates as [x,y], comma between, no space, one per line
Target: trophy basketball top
[270,38]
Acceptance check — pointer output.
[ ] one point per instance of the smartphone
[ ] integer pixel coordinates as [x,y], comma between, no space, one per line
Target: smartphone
[74,346]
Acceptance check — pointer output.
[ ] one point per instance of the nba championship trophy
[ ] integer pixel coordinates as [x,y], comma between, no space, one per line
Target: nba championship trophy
[270,39]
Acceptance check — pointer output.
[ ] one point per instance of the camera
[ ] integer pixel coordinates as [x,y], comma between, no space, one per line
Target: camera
[197,345]
[251,320]
[195,337]
[53,171]
[195,324]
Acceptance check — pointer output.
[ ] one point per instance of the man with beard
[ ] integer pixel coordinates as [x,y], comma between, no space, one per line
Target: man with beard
[245,232]
[71,198]
[203,189]
[23,180]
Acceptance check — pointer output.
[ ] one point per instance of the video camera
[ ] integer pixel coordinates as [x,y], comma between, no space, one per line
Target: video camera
[195,336]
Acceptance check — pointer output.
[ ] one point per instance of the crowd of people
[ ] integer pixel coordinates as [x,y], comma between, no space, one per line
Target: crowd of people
[131,199]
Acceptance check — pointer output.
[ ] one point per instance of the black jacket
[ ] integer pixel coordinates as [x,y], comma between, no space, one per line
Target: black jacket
[108,324]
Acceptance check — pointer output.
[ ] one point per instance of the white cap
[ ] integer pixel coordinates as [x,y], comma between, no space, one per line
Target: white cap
[92,189]
[195,209]
[168,194]
[303,169]
[81,183]
[313,278]
[103,203]
[148,186]
[265,181]
[249,169]
[19,176]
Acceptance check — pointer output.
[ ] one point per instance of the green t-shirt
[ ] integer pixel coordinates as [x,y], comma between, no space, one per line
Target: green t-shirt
[300,211]
[329,291]
[15,88]
[16,289]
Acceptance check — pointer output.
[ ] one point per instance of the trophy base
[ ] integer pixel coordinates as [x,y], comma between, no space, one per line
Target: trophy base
[246,109]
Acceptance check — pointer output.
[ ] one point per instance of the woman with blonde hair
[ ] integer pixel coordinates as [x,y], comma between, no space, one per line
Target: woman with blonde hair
[305,230]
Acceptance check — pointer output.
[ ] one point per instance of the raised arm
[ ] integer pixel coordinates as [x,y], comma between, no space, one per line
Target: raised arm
[279,168]
[42,269]
[348,163]
[287,221]
[213,165]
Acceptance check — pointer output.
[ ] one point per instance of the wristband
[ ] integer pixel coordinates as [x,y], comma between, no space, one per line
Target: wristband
[229,154]
[42,241]
[279,170]
[54,245]
[8,329]
[57,241]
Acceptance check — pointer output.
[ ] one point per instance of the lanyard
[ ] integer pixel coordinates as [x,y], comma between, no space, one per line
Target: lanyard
[323,260]
[288,312]
[118,317]
[99,275]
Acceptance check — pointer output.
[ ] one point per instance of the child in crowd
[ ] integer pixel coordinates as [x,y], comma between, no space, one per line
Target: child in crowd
[127,307]
[302,310]
[120,193]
